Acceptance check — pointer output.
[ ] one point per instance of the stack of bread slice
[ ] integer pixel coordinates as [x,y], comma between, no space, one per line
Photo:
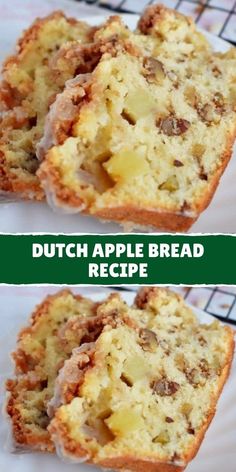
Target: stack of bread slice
[140,127]
[119,386]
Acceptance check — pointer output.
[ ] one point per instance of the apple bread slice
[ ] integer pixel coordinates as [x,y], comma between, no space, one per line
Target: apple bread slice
[42,348]
[144,137]
[142,395]
[26,92]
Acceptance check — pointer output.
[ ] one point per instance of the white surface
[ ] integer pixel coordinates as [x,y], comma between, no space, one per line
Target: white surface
[218,450]
[220,217]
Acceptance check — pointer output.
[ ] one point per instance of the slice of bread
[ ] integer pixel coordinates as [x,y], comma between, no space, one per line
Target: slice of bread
[142,397]
[42,348]
[27,90]
[149,131]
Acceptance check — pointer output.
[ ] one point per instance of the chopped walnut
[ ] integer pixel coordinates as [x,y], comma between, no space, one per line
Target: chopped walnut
[216,71]
[219,103]
[173,77]
[210,113]
[148,340]
[144,296]
[202,341]
[165,387]
[154,70]
[180,361]
[165,346]
[190,430]
[204,367]
[193,376]
[190,96]
[178,163]
[203,176]
[172,126]
[169,419]
[206,112]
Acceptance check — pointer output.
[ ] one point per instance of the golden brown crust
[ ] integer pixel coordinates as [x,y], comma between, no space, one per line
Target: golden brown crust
[59,430]
[50,178]
[14,184]
[16,188]
[225,158]
[155,14]
[145,295]
[5,182]
[31,35]
[155,219]
[23,436]
[21,360]
[83,58]
[131,463]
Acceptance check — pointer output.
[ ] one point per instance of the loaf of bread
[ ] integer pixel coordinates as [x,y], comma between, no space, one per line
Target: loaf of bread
[143,394]
[26,92]
[148,132]
[42,348]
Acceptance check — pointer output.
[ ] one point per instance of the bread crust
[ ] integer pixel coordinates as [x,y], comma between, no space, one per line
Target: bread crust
[155,14]
[156,219]
[131,463]
[225,158]
[23,438]
[17,188]
[30,35]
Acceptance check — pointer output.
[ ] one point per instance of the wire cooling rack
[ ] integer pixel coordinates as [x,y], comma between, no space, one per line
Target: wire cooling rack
[216,16]
[217,301]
